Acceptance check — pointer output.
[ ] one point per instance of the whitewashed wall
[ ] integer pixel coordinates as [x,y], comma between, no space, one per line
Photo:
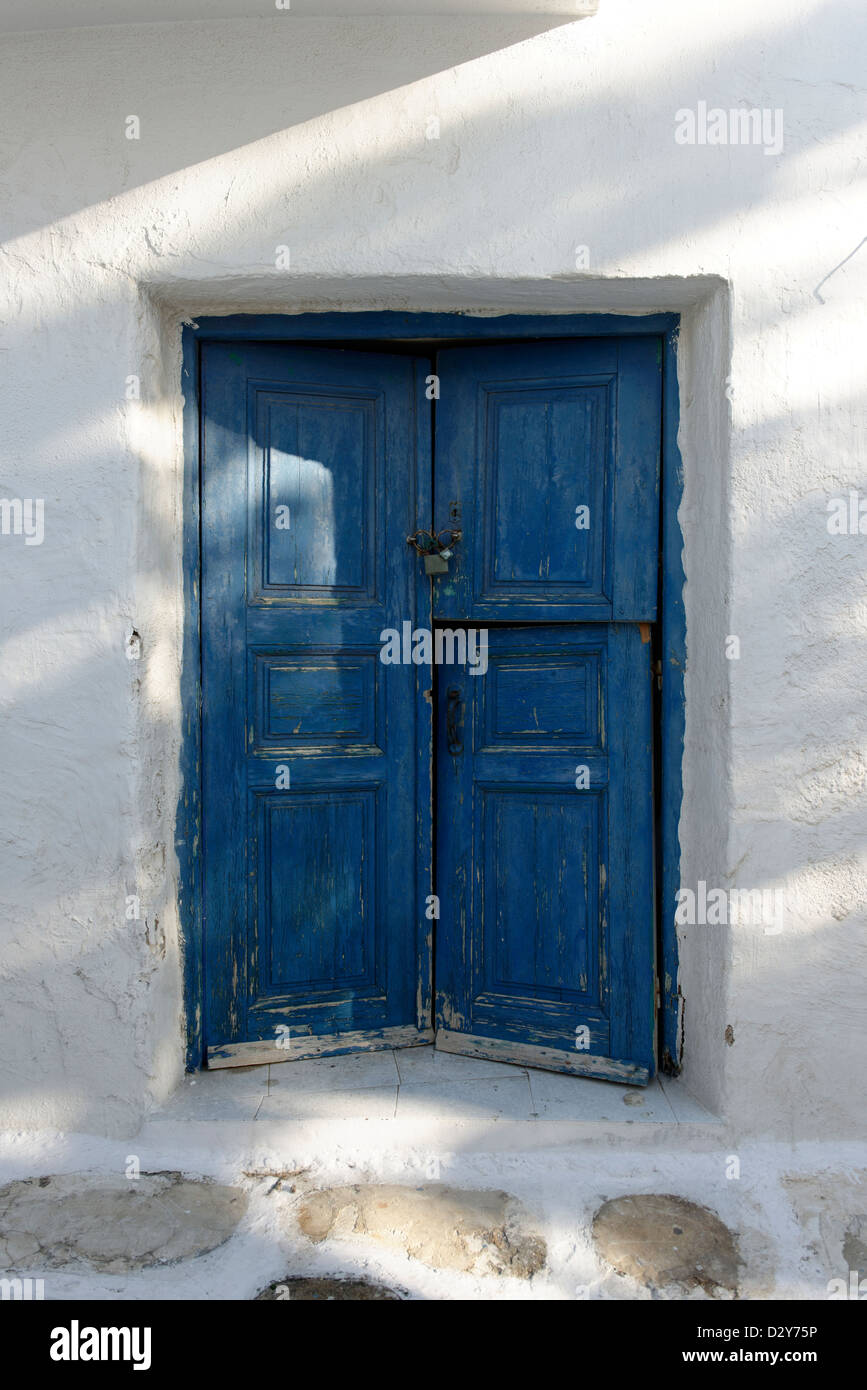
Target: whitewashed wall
[312,134]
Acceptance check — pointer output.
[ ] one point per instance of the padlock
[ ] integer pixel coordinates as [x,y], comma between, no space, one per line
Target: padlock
[435,564]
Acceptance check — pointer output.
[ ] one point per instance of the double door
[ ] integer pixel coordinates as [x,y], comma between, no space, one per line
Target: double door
[396,850]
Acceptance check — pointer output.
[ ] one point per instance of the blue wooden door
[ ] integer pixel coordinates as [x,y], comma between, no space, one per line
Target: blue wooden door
[547,460]
[316,467]
[316,756]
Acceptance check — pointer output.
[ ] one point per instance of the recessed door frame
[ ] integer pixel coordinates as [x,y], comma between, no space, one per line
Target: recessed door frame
[377,329]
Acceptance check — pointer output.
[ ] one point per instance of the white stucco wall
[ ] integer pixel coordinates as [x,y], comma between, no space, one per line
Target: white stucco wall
[312,134]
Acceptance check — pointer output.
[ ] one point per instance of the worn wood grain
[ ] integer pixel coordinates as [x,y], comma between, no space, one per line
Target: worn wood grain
[316,804]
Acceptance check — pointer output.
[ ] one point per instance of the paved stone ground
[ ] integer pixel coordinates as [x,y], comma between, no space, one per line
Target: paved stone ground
[113,1223]
[423,1176]
[444,1227]
[665,1241]
[830,1208]
[328,1291]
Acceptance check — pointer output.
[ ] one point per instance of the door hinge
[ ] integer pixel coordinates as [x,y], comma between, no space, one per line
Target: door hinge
[657,994]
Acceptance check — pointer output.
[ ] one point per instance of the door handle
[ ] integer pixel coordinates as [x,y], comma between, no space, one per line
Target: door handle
[454,720]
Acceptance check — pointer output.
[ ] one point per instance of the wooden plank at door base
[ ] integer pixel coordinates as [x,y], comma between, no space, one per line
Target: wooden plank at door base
[544,1058]
[302,1048]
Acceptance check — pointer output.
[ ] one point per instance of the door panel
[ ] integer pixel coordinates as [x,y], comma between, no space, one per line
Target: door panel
[526,435]
[316,756]
[547,888]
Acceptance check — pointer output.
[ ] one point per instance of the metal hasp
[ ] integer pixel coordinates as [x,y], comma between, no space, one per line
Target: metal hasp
[434,549]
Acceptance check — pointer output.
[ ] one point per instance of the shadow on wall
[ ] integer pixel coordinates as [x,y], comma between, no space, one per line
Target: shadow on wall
[263,77]
[293,153]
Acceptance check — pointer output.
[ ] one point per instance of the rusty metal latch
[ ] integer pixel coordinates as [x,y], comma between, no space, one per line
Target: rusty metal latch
[435,550]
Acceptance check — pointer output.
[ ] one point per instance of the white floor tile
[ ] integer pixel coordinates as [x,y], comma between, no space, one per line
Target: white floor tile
[686,1108]
[420,1065]
[481,1099]
[366,1103]
[560,1097]
[360,1071]
[229,1093]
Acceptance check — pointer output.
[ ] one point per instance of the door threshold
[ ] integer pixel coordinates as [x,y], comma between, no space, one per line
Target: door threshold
[544,1058]
[297,1047]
